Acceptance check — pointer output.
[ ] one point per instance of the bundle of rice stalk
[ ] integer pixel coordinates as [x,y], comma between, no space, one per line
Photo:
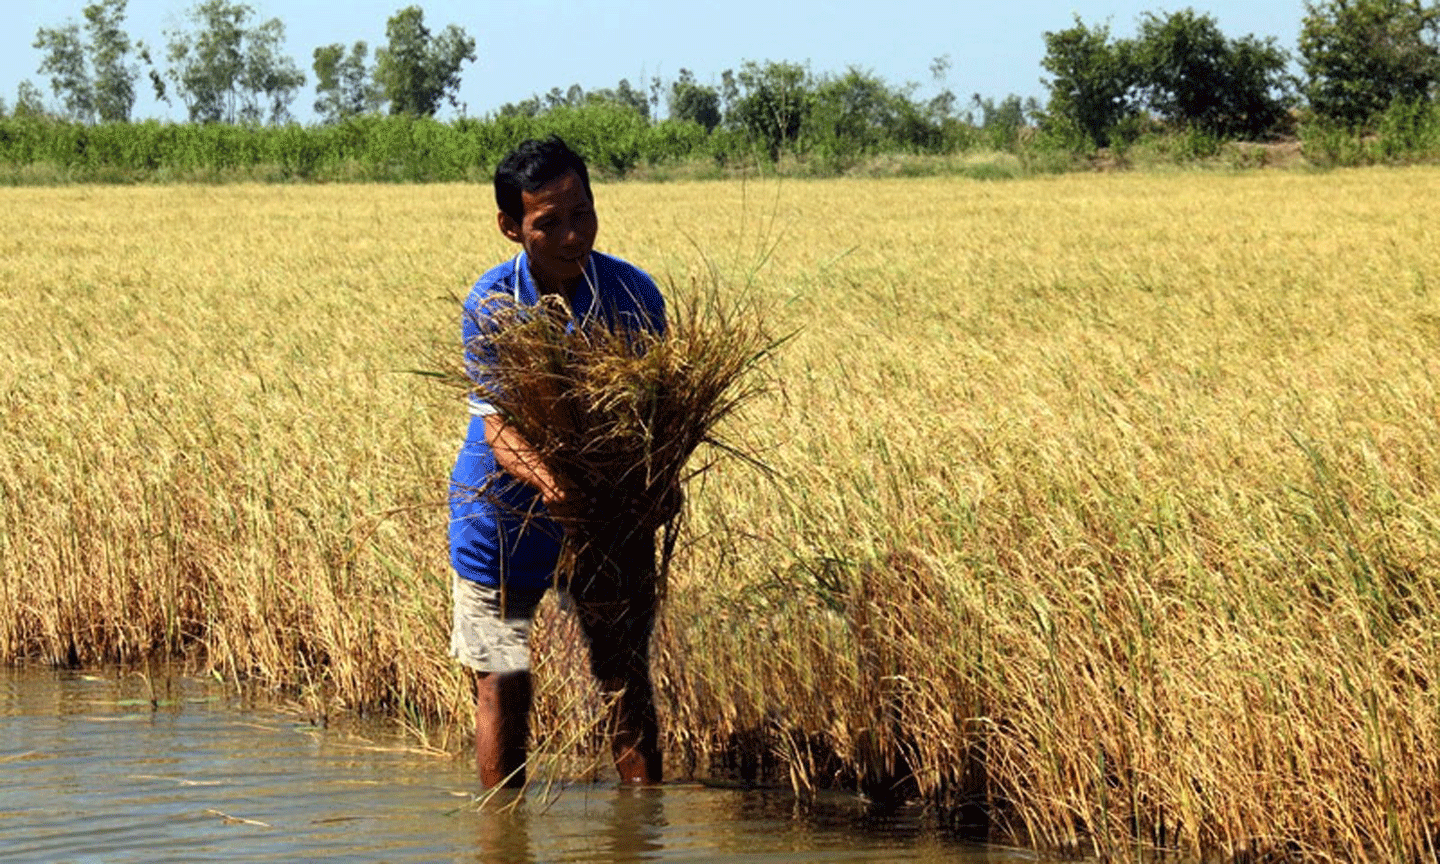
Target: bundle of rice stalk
[617,413]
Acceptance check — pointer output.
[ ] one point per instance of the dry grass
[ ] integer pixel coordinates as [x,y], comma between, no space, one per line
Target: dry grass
[1123,488]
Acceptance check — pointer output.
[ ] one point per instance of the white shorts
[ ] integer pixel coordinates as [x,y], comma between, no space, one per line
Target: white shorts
[491,627]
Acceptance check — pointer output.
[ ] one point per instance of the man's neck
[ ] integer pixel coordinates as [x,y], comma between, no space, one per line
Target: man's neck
[564,288]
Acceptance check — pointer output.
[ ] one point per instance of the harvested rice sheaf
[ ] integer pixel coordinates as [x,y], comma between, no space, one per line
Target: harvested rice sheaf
[617,413]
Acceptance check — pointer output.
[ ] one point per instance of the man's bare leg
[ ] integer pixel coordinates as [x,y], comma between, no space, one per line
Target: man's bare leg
[619,637]
[635,733]
[502,727]
[616,602]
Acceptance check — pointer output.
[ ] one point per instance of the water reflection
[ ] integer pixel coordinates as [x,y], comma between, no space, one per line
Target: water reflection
[583,824]
[635,827]
[691,822]
[128,769]
[503,836]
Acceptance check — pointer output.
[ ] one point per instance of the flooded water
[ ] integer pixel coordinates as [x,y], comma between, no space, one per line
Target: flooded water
[92,770]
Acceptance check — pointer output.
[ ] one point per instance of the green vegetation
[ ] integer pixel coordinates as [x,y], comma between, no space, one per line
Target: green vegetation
[616,138]
[226,71]
[1179,91]
[1362,57]
[92,74]
[344,83]
[416,70]
[1179,73]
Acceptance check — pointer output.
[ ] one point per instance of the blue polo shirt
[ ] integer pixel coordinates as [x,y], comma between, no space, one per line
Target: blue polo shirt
[499,532]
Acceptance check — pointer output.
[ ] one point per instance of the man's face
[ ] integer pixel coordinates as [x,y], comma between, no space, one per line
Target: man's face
[557,232]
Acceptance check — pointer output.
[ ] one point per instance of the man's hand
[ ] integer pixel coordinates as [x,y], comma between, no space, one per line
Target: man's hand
[552,492]
[518,459]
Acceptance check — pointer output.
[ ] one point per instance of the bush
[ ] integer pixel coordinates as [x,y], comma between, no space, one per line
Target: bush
[674,141]
[1408,129]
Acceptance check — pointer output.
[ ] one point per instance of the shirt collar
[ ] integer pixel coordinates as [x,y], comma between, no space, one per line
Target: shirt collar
[527,293]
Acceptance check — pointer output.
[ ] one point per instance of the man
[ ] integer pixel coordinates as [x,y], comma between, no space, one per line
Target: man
[502,546]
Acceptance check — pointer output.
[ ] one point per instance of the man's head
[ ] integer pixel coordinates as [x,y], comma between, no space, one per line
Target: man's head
[532,165]
[543,191]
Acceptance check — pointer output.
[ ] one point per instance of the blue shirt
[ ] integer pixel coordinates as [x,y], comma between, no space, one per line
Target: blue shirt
[492,539]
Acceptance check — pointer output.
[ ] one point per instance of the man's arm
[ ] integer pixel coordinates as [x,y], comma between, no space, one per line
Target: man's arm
[518,459]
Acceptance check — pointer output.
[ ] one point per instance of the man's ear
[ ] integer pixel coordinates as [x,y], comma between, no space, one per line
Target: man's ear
[508,226]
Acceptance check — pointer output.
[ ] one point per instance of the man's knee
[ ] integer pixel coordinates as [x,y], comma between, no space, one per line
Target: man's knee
[620,651]
[506,694]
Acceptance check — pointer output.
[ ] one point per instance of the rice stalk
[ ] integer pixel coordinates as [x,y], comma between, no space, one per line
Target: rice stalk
[617,413]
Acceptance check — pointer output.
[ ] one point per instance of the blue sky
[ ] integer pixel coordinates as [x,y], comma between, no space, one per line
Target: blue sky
[528,47]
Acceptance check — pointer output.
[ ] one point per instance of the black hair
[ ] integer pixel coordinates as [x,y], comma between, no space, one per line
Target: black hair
[530,166]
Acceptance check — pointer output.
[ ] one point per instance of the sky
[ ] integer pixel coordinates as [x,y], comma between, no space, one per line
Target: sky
[526,47]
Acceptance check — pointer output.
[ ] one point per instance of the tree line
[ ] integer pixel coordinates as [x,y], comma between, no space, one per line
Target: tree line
[1360,59]
[225,66]
[1364,65]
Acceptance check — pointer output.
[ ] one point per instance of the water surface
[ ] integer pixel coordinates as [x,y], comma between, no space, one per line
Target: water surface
[94,771]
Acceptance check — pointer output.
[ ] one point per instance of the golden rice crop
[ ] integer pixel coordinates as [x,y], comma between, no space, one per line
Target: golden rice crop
[1108,504]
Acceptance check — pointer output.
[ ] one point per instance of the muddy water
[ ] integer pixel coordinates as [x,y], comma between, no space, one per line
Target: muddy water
[91,769]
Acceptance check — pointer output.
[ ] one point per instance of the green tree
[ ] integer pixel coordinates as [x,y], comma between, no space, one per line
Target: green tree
[227,71]
[64,61]
[1093,81]
[1359,56]
[524,108]
[729,92]
[1001,122]
[942,105]
[344,82]
[29,102]
[90,73]
[573,97]
[416,70]
[1193,75]
[694,102]
[859,113]
[628,95]
[109,47]
[269,80]
[772,103]
[623,94]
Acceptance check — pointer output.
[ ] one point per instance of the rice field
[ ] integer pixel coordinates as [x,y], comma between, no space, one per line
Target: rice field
[1104,506]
